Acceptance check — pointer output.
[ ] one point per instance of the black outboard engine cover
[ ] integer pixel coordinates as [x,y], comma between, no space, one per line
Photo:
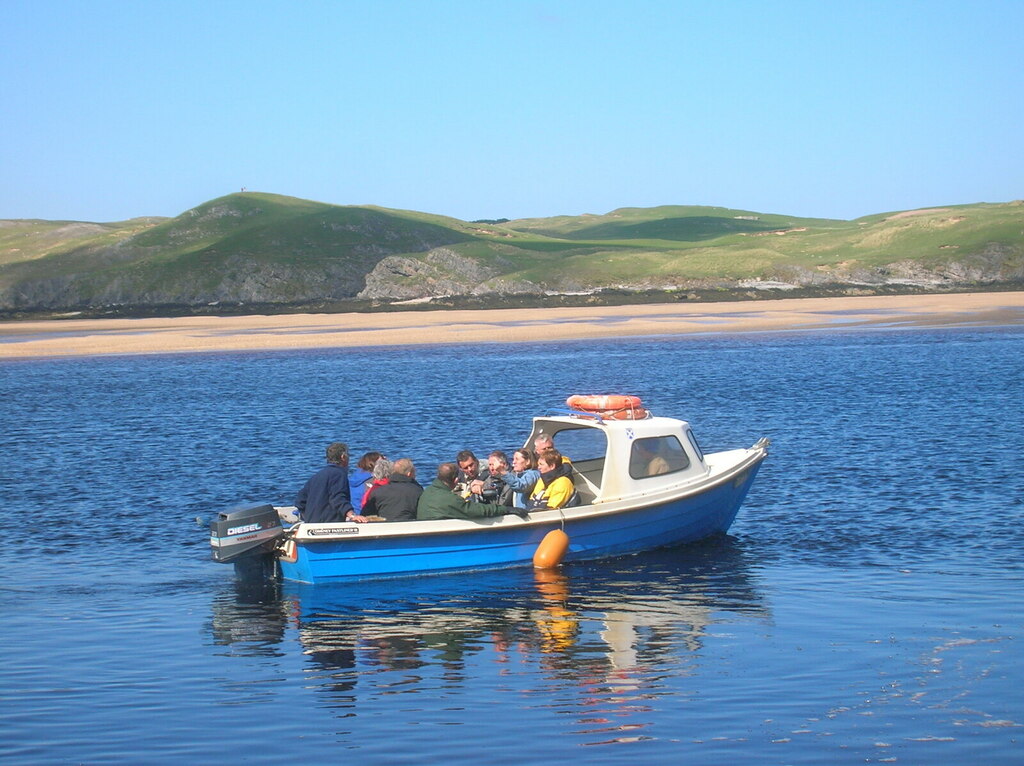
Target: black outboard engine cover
[244,531]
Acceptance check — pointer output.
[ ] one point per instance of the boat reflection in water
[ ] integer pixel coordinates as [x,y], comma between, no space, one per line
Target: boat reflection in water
[251,619]
[598,632]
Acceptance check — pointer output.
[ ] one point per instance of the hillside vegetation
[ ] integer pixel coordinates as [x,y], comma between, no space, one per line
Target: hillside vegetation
[264,250]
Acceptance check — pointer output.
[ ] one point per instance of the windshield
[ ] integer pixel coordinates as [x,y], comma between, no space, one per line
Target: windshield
[580,444]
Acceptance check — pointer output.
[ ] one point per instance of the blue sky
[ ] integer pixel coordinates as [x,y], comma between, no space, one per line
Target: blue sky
[112,110]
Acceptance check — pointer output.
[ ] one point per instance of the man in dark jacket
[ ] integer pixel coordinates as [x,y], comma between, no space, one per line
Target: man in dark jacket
[396,500]
[325,497]
[468,473]
[439,501]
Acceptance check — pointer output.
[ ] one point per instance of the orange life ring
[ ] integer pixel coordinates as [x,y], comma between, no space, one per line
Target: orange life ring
[609,402]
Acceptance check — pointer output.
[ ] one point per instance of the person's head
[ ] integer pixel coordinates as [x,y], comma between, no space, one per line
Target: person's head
[447,473]
[549,460]
[542,442]
[467,462]
[367,461]
[497,462]
[405,467]
[337,453]
[382,468]
[523,459]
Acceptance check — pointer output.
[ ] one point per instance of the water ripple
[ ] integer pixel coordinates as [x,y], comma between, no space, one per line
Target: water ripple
[865,607]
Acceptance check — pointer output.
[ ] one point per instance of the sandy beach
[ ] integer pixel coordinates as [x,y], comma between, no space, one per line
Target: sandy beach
[90,337]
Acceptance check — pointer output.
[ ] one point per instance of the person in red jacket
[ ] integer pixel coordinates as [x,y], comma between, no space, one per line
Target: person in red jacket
[381,475]
[396,500]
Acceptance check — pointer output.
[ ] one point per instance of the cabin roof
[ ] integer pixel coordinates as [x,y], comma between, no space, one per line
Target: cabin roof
[651,426]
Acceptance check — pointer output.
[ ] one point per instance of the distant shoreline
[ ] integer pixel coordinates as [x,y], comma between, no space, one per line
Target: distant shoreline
[198,334]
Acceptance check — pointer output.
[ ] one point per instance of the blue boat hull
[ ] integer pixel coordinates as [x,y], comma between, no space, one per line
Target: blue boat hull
[635,529]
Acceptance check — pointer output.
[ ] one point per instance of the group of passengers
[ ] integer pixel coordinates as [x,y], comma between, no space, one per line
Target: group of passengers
[381,490]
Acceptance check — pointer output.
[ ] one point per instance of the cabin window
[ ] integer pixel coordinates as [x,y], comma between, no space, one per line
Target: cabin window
[696,447]
[656,457]
[581,444]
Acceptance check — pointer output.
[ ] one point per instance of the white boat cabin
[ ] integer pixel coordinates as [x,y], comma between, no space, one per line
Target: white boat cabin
[616,459]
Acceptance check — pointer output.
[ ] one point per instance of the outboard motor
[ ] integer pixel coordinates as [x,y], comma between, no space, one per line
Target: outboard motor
[246,537]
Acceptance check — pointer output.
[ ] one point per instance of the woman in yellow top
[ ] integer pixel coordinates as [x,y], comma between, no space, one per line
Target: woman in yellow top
[555,487]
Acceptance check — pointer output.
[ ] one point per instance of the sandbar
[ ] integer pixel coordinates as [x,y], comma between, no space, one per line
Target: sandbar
[197,334]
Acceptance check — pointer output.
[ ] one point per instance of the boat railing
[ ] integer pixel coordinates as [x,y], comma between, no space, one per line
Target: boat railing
[570,413]
[583,414]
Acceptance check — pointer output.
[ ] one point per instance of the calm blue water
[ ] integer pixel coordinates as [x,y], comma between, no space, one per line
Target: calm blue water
[866,607]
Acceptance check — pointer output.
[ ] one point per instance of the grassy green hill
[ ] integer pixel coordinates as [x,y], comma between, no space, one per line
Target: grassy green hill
[266,250]
[672,223]
[699,243]
[27,240]
[244,247]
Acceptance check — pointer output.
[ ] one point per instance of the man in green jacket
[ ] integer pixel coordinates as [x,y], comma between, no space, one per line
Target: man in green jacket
[439,501]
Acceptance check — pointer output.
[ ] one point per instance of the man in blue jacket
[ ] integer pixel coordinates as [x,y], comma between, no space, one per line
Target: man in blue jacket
[326,496]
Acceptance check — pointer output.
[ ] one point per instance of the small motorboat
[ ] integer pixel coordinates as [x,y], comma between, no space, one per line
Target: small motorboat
[642,483]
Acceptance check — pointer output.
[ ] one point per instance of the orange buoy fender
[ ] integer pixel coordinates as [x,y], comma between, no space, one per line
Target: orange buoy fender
[608,402]
[551,550]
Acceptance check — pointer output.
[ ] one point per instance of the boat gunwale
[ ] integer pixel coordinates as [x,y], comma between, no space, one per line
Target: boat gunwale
[620,506]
